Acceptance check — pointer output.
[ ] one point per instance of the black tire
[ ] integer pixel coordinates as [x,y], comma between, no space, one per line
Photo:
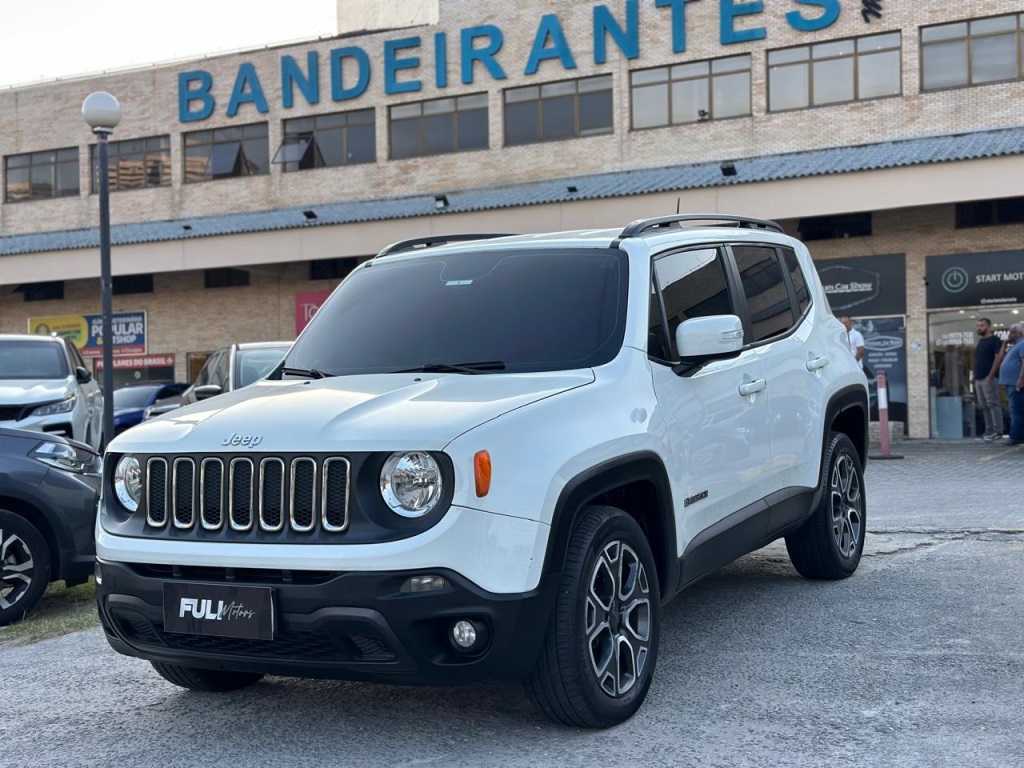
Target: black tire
[206,680]
[24,567]
[567,684]
[829,545]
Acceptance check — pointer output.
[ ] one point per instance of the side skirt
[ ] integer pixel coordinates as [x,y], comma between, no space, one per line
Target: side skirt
[744,531]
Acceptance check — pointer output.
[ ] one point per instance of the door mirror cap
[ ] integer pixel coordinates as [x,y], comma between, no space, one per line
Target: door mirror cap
[82,375]
[702,338]
[207,391]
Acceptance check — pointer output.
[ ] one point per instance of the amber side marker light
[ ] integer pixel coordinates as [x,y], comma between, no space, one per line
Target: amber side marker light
[482,472]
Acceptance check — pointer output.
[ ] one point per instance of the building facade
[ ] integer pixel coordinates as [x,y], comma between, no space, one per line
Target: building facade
[245,186]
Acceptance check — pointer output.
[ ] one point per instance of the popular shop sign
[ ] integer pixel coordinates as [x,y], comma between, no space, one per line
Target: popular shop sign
[86,331]
[349,70]
[975,279]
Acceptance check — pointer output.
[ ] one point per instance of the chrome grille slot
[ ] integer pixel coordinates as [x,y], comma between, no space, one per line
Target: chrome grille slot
[211,494]
[303,495]
[334,495]
[156,493]
[183,490]
[240,505]
[272,510]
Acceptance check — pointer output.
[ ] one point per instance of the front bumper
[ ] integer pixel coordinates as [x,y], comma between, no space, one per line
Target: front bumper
[349,626]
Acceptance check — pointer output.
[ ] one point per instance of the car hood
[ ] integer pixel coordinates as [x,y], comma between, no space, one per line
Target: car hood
[29,391]
[352,413]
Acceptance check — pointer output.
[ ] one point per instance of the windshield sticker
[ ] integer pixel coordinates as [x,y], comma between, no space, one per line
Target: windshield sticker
[459,282]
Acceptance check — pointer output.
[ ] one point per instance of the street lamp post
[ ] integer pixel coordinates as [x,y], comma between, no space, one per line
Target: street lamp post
[102,112]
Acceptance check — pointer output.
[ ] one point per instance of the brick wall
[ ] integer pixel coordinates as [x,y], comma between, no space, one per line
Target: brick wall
[48,116]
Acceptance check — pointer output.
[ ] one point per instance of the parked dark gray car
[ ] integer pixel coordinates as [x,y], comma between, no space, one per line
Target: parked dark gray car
[49,489]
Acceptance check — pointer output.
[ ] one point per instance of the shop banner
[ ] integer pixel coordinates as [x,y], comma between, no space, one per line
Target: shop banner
[306,306]
[146,361]
[885,349]
[86,331]
[975,279]
[865,286]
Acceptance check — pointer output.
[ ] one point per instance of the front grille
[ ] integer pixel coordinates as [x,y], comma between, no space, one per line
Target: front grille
[243,494]
[305,646]
[11,412]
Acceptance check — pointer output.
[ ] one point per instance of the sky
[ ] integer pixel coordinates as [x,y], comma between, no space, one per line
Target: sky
[48,39]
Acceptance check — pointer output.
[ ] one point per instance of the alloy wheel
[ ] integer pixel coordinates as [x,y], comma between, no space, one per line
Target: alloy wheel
[16,569]
[847,503]
[618,619]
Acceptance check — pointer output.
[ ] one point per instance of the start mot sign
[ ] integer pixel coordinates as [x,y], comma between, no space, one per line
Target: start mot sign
[403,64]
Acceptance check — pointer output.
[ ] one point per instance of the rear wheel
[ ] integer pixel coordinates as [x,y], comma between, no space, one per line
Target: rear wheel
[830,543]
[602,643]
[208,680]
[24,567]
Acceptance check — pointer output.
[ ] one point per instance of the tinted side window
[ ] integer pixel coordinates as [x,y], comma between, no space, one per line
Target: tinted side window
[767,298]
[221,371]
[76,357]
[796,275]
[691,284]
[207,372]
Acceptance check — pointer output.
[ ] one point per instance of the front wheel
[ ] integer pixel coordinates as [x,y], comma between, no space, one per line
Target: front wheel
[830,543]
[207,680]
[24,567]
[602,643]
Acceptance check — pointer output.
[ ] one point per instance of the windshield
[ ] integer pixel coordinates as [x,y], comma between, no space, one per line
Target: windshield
[133,397]
[253,364]
[535,310]
[32,360]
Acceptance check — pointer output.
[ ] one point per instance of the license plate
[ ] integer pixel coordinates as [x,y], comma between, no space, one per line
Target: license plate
[219,609]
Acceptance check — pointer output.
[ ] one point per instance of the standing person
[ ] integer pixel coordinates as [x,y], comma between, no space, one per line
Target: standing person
[855,339]
[986,379]
[1011,376]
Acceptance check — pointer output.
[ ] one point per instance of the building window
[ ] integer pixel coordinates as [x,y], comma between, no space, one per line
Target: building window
[227,152]
[41,175]
[123,284]
[328,141]
[225,277]
[835,227]
[972,52]
[439,126]
[690,93]
[51,291]
[332,269]
[558,110]
[984,213]
[834,72]
[135,164]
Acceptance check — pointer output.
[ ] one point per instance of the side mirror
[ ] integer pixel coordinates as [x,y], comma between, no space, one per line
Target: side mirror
[207,391]
[82,376]
[704,338]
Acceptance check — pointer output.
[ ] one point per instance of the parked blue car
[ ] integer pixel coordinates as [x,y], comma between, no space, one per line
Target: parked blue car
[130,402]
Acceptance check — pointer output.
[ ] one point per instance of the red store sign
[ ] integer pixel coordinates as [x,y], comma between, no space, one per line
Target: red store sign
[306,306]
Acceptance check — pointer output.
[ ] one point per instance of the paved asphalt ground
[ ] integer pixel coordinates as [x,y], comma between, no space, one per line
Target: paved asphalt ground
[918,660]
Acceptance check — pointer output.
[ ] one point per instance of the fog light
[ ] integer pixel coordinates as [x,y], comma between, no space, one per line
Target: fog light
[425,584]
[464,634]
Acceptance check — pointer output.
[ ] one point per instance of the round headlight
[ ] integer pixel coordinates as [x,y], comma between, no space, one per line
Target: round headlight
[411,483]
[128,482]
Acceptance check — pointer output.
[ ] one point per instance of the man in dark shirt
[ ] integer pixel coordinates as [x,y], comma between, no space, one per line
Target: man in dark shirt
[986,379]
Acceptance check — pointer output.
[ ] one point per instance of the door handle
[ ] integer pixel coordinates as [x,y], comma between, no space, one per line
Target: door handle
[817,363]
[752,387]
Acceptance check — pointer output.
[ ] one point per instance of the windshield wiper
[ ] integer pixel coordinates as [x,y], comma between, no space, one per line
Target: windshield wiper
[309,373]
[481,367]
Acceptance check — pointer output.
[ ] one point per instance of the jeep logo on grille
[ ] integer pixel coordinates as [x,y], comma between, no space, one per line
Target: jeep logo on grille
[248,441]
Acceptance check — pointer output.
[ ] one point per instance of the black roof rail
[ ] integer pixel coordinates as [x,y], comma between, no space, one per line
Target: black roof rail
[429,242]
[641,226]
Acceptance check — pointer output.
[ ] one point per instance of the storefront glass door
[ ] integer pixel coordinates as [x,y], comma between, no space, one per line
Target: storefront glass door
[952,339]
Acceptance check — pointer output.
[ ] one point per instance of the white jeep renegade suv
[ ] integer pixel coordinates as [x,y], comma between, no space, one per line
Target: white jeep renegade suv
[495,458]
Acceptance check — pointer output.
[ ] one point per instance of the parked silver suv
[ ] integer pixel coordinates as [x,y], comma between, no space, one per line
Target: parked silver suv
[45,386]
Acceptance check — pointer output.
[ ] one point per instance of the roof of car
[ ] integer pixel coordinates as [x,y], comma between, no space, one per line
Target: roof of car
[263,344]
[596,238]
[29,337]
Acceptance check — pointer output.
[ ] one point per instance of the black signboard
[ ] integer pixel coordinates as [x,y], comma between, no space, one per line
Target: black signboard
[975,279]
[866,286]
[219,609]
[885,349]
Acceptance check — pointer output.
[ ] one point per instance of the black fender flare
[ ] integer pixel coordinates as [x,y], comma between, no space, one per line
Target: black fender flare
[605,477]
[852,398]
